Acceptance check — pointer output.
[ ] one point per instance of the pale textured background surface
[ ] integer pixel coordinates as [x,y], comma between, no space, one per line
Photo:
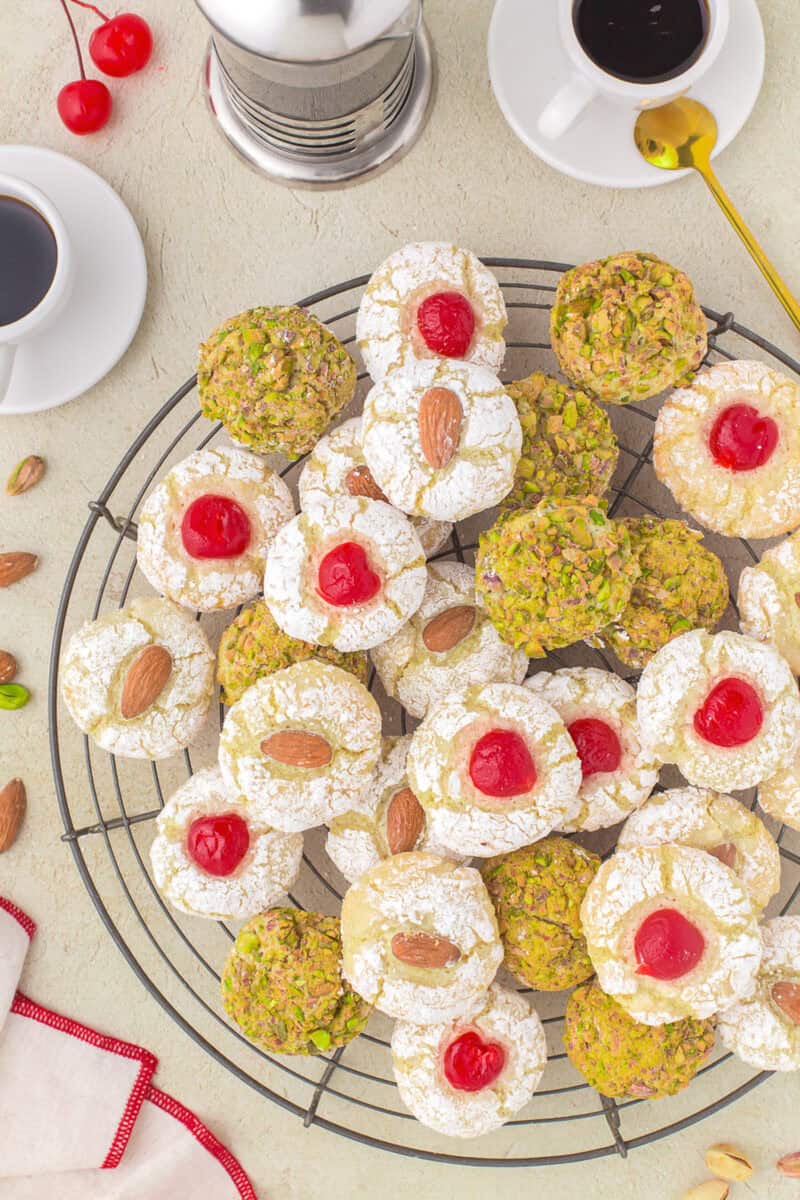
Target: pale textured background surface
[218,238]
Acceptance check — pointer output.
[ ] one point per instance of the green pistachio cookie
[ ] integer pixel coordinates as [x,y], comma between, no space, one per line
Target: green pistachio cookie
[283,986]
[276,378]
[627,327]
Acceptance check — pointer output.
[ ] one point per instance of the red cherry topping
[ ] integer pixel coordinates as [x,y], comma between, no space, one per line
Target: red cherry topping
[667,945]
[215,527]
[471,1064]
[84,106]
[742,439]
[731,714]
[501,764]
[446,321]
[218,844]
[122,45]
[345,576]
[597,745]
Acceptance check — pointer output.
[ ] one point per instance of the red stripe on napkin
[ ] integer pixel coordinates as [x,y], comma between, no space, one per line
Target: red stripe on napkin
[19,916]
[206,1139]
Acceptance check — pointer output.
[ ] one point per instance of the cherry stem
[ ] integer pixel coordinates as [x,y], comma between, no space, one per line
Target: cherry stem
[93,8]
[68,15]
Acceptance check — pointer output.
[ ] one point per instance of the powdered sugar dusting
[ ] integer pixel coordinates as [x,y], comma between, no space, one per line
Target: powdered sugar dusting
[756,1029]
[767,600]
[780,794]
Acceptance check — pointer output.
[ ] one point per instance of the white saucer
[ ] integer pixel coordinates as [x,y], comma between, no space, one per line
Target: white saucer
[527,65]
[105,307]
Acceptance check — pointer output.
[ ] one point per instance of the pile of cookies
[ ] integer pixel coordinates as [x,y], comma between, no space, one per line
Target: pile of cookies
[664,943]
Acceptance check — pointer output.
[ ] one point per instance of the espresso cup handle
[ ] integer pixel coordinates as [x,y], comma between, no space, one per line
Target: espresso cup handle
[566,106]
[7,353]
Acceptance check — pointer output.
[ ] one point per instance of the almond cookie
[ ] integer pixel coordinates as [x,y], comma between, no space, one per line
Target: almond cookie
[599,711]
[388,818]
[448,644]
[671,932]
[204,530]
[139,680]
[769,599]
[723,707]
[780,794]
[419,937]
[336,467]
[728,448]
[764,1029]
[494,768]
[431,300]
[442,439]
[211,858]
[300,745]
[348,573]
[715,823]
[470,1075]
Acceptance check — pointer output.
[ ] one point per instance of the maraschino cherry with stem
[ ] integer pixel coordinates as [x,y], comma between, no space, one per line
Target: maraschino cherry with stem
[122,45]
[85,104]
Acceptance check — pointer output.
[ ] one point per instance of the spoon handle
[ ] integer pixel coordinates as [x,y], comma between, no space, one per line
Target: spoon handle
[757,254]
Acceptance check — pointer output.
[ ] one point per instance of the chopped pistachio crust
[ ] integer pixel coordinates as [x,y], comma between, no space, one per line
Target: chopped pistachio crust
[568,445]
[555,574]
[254,646]
[621,1057]
[283,985]
[537,893]
[276,378]
[627,327]
[681,586]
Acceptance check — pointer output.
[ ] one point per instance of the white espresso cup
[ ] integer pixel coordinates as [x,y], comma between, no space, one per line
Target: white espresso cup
[51,303]
[588,80]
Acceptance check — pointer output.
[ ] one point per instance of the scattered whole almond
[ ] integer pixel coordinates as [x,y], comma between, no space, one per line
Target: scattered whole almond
[8,667]
[787,998]
[440,417]
[15,566]
[712,1189]
[297,748]
[448,628]
[145,681]
[12,811]
[424,950]
[26,475]
[405,821]
[726,853]
[359,482]
[728,1162]
[789,1165]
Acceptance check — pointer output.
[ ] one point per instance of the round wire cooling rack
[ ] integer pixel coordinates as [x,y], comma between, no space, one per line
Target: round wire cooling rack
[108,805]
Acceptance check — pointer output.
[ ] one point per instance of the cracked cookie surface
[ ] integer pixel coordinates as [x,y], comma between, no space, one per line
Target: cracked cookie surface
[758,1029]
[769,599]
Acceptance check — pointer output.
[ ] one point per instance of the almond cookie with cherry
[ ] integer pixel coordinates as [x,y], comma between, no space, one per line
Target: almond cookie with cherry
[442,439]
[468,1076]
[205,528]
[769,599]
[715,823]
[599,711]
[300,745]
[431,300]
[672,933]
[494,768]
[212,858]
[728,448]
[722,707]
[139,680]
[420,938]
[448,644]
[764,1028]
[346,573]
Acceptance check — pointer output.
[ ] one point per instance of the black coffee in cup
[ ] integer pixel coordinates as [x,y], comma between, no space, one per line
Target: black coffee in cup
[642,41]
[28,259]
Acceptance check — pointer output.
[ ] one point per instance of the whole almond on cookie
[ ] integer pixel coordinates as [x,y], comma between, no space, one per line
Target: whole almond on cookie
[12,810]
[359,482]
[8,667]
[726,853]
[424,950]
[145,681]
[787,998]
[15,566]
[448,628]
[297,748]
[405,821]
[440,418]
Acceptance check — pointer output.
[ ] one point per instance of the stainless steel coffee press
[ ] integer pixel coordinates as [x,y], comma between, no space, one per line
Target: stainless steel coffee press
[318,92]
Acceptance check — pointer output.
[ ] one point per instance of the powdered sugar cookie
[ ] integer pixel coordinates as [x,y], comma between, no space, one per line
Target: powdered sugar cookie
[723,707]
[715,823]
[780,794]
[599,711]
[431,300]
[671,932]
[139,680]
[419,938]
[471,1075]
[494,768]
[388,818]
[769,599]
[300,745]
[764,1029]
[728,448]
[212,858]
[448,644]
[336,467]
[347,573]
[204,530]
